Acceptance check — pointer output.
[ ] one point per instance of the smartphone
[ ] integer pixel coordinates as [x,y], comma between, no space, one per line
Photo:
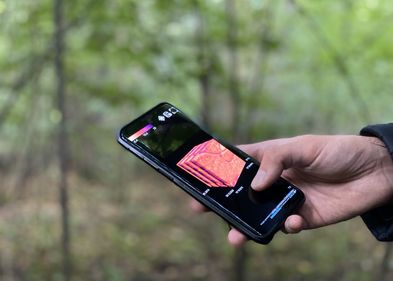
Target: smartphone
[215,173]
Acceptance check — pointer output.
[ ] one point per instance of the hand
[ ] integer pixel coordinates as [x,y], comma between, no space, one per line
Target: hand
[341,177]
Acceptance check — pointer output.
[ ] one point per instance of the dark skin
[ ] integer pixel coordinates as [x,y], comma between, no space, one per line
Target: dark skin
[341,176]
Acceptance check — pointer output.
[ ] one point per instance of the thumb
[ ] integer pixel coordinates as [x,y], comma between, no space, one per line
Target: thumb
[269,171]
[274,161]
[275,156]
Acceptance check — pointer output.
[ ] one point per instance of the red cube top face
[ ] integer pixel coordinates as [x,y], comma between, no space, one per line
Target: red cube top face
[213,164]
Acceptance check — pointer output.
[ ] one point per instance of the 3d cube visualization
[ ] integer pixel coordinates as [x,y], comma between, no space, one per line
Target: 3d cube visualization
[213,164]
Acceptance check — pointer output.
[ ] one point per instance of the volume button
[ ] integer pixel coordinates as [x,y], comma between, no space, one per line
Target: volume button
[176,181]
[150,162]
[165,173]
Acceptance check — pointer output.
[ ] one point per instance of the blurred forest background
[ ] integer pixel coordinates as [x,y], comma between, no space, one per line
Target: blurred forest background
[75,206]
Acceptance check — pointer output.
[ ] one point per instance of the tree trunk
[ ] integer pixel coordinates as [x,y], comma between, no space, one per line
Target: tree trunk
[383,273]
[233,82]
[240,255]
[239,264]
[62,137]
[204,67]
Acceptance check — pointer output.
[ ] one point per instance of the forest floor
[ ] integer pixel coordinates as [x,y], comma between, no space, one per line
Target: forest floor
[144,230]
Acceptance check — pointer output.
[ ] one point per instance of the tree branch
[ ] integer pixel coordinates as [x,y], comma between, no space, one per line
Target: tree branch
[340,62]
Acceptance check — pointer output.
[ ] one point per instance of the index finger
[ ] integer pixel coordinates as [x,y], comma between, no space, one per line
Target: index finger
[236,238]
[197,207]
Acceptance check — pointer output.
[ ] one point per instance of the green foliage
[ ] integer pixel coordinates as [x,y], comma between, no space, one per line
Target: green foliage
[302,67]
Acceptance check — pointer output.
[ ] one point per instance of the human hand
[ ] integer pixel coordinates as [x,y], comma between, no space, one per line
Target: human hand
[341,177]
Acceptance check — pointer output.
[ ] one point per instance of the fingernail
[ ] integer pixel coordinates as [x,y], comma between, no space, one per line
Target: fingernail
[258,179]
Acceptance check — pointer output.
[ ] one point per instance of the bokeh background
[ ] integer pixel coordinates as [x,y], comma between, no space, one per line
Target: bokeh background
[75,206]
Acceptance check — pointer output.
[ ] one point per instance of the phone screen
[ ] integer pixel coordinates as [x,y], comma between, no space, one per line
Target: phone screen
[220,173]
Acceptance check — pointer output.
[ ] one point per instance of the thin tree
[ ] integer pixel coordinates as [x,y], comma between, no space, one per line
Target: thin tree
[204,66]
[63,145]
[233,82]
[34,67]
[240,255]
[383,272]
[203,76]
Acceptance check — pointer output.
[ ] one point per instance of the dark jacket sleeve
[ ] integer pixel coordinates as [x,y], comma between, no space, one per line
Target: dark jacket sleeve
[380,220]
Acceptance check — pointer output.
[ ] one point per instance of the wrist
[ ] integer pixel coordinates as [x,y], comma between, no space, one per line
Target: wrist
[384,167]
[382,136]
[387,171]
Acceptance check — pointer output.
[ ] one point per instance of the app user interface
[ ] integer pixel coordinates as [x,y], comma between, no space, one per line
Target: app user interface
[216,171]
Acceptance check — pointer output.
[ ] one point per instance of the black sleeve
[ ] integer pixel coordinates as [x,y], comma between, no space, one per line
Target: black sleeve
[380,220]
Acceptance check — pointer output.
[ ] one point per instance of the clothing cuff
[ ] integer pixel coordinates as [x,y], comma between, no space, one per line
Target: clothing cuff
[384,132]
[380,220]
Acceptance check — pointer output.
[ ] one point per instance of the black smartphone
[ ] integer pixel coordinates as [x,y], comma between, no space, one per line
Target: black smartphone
[217,174]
